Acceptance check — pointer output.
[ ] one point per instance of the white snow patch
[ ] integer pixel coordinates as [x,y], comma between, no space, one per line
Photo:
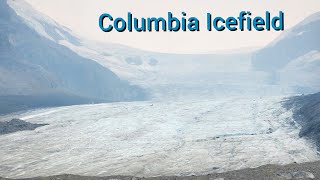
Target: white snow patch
[301,33]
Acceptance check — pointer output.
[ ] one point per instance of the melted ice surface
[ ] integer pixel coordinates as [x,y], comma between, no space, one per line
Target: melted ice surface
[155,138]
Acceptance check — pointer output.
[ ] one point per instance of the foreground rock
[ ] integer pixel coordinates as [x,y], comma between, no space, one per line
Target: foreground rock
[268,172]
[17,125]
[307,113]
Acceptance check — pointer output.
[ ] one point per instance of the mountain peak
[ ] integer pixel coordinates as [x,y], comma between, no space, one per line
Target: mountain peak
[41,23]
[311,18]
[293,43]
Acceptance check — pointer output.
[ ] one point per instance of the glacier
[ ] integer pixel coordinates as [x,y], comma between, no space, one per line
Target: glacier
[153,138]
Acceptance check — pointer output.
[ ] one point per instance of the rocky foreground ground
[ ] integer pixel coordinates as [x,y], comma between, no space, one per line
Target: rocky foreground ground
[268,172]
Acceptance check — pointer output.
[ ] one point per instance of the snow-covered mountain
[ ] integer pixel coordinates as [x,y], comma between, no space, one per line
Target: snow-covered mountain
[35,71]
[144,67]
[293,59]
[161,73]
[302,73]
[292,44]
[41,23]
[180,74]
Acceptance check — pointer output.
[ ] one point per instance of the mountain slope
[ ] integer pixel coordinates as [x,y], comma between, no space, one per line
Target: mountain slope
[292,44]
[293,60]
[165,75]
[302,73]
[33,65]
[307,114]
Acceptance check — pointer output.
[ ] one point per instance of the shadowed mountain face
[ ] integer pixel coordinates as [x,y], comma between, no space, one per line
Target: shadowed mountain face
[294,43]
[307,114]
[32,65]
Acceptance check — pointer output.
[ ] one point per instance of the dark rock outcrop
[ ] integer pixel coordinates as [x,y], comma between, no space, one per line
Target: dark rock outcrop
[16,125]
[307,113]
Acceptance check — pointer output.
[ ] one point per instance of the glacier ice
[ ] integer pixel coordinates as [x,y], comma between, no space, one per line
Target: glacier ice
[155,138]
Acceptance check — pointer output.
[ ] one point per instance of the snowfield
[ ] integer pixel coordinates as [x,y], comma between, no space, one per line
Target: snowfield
[185,137]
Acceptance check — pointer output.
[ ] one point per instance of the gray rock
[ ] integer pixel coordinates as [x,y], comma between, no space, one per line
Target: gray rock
[296,175]
[307,113]
[16,125]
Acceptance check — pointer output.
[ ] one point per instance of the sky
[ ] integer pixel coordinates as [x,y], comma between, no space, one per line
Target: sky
[82,17]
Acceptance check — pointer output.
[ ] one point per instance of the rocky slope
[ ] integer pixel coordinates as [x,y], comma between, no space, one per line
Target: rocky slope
[307,113]
[17,125]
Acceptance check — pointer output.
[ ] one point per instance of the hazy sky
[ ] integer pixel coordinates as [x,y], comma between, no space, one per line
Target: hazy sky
[81,16]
